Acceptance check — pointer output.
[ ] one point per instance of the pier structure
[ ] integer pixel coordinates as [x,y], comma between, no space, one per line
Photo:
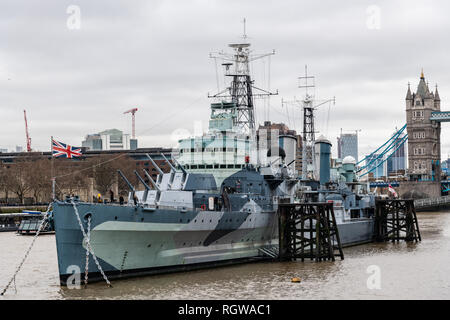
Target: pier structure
[396,220]
[308,231]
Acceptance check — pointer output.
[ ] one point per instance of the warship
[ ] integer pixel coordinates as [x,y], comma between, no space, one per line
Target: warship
[217,205]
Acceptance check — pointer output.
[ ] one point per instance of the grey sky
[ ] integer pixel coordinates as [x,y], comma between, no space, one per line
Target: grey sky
[155,55]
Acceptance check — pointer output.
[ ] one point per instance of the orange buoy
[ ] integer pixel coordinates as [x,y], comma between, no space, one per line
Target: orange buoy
[296,280]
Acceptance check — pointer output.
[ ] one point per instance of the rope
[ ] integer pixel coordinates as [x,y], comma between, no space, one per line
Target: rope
[88,244]
[86,268]
[41,226]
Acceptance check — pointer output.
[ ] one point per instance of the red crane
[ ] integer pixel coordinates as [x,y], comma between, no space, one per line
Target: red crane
[132,111]
[26,132]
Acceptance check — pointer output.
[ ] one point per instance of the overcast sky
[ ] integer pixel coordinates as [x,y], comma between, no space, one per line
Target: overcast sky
[76,77]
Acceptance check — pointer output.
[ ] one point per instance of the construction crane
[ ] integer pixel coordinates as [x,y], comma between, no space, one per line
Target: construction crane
[132,111]
[26,131]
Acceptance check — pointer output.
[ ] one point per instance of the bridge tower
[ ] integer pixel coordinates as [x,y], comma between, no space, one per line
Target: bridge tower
[424,135]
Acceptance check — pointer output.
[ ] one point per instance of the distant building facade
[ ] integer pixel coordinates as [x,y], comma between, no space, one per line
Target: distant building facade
[112,139]
[375,160]
[397,162]
[347,145]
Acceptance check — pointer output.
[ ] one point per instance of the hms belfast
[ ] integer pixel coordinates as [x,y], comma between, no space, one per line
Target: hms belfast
[201,213]
[217,205]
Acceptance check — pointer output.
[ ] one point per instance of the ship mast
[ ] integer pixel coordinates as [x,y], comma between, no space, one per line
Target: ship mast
[241,89]
[309,105]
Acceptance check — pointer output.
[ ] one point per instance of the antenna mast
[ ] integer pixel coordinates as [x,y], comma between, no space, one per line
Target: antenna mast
[26,132]
[308,125]
[241,89]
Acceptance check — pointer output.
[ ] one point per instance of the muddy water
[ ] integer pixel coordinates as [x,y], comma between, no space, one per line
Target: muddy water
[406,271]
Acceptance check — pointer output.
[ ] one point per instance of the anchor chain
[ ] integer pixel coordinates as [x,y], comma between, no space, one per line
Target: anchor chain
[86,268]
[88,245]
[42,225]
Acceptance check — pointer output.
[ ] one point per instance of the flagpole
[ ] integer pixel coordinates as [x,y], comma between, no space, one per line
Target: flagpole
[52,173]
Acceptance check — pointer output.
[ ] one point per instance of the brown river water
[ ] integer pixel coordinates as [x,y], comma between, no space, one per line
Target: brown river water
[403,271]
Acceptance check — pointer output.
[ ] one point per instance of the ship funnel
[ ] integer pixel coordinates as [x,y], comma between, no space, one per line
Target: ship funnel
[322,150]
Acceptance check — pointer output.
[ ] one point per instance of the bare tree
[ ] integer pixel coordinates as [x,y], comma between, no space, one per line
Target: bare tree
[5,181]
[18,181]
[38,179]
[71,176]
[104,171]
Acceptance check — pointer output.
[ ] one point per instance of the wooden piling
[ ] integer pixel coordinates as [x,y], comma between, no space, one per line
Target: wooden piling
[308,231]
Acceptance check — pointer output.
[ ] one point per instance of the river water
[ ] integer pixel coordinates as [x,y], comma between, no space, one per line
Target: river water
[371,271]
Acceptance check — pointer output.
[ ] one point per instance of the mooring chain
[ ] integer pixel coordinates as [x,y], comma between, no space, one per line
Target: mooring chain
[86,268]
[88,244]
[41,227]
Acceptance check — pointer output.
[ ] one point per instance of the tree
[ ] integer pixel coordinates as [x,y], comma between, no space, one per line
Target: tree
[39,181]
[18,182]
[71,176]
[104,171]
[5,181]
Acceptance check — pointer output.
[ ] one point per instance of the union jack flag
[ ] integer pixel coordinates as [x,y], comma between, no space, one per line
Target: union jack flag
[63,150]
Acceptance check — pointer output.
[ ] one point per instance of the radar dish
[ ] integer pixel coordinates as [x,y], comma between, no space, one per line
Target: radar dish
[239,45]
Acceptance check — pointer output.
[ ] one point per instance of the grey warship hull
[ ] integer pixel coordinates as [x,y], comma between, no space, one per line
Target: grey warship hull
[132,241]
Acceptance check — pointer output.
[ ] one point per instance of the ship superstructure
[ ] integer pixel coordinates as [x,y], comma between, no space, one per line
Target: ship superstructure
[230,138]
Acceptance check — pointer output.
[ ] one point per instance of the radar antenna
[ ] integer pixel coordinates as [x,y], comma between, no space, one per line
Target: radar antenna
[309,105]
[241,90]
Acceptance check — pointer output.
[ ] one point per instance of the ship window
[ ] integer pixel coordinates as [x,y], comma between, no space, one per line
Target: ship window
[230,166]
[216,166]
[223,166]
[209,166]
[192,149]
[201,166]
[194,166]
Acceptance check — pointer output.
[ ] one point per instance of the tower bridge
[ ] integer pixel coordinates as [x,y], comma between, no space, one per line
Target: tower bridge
[423,136]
